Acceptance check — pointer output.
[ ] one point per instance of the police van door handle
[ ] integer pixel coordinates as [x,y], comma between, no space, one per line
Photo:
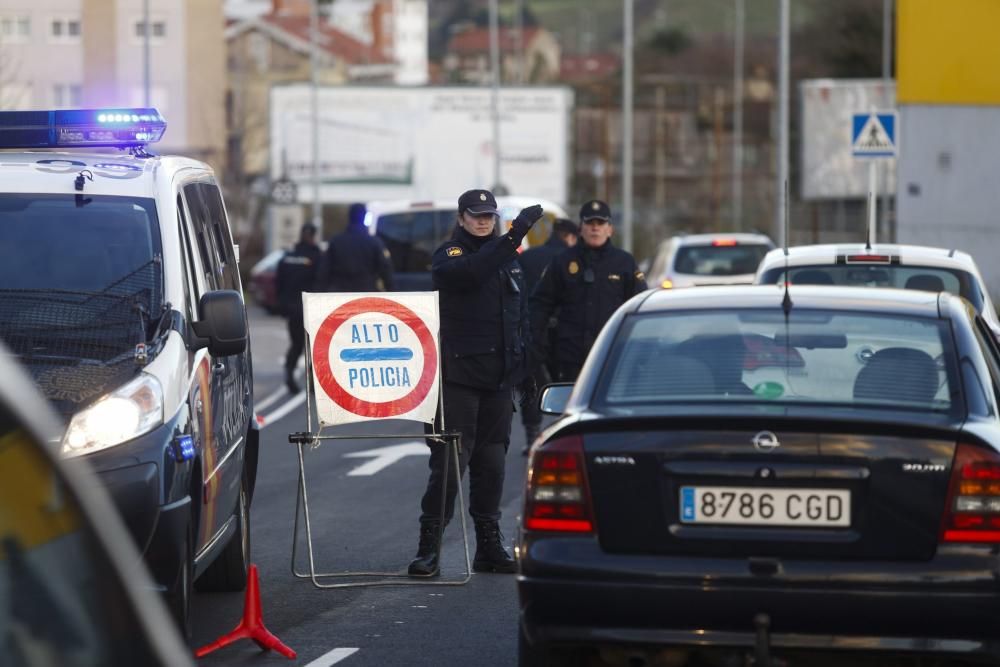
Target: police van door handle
[219,368]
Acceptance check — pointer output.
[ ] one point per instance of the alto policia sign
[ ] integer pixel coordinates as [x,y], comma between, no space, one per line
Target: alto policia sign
[374,356]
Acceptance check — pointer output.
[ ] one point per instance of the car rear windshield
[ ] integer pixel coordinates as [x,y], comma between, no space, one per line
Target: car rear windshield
[846,359]
[719,260]
[927,278]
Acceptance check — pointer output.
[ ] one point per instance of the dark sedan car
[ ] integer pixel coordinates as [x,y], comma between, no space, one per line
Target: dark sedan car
[740,474]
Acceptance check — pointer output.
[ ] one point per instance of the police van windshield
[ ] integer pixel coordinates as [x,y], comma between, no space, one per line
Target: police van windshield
[80,277]
[55,242]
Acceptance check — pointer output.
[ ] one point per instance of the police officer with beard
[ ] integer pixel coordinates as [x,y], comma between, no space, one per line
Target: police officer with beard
[582,287]
[484,329]
[296,274]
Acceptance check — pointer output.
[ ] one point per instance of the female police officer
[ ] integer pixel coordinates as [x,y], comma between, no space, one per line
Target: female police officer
[483,328]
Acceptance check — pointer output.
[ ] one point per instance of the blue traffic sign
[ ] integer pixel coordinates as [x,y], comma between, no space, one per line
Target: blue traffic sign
[873,134]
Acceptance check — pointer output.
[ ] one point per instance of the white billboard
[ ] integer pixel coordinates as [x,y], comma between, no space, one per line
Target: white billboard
[420,143]
[829,170]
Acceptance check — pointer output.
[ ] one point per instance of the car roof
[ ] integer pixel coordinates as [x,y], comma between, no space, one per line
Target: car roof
[871,299]
[908,254]
[54,172]
[706,239]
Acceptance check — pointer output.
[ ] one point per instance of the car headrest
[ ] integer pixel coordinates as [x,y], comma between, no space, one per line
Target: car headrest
[898,374]
[925,282]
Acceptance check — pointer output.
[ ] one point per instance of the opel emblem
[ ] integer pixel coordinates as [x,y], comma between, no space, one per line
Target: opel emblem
[482,196]
[765,441]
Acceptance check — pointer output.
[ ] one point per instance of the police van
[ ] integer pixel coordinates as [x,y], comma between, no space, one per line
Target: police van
[120,294]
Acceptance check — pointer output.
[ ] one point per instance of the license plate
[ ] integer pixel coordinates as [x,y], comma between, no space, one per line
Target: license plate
[747,506]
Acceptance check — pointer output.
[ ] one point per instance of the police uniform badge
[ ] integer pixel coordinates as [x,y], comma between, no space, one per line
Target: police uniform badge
[573,268]
[595,206]
[482,196]
[614,276]
[454,251]
[639,275]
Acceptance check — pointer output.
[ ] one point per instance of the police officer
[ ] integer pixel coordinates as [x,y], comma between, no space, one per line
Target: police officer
[534,260]
[483,345]
[582,286]
[296,274]
[355,261]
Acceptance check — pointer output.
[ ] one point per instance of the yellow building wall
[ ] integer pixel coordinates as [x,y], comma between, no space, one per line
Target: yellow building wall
[948,52]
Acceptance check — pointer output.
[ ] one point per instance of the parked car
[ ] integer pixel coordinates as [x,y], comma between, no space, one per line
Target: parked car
[758,471]
[120,294]
[708,259]
[73,589]
[881,265]
[264,281]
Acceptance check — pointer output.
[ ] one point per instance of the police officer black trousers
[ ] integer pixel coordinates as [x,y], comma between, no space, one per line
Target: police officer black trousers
[297,338]
[483,418]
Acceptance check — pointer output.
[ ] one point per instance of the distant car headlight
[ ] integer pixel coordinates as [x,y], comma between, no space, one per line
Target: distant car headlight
[126,413]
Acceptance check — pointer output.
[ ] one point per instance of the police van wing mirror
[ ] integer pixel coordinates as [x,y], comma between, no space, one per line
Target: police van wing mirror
[555,398]
[222,324]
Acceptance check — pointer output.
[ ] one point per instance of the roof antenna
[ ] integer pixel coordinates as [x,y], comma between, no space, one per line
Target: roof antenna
[871,220]
[786,301]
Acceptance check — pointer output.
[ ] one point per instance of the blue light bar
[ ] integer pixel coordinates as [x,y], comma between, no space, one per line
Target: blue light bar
[75,128]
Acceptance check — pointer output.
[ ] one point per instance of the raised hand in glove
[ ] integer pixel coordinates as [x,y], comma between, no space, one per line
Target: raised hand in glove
[524,221]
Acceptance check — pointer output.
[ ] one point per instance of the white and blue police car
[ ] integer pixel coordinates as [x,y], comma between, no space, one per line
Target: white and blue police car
[119,292]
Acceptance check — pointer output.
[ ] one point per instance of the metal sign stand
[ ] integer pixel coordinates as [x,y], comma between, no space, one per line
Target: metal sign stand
[301,439]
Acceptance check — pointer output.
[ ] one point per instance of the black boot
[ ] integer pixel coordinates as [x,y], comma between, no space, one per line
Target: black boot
[426,563]
[293,387]
[490,554]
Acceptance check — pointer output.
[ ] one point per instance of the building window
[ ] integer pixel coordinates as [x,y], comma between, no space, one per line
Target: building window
[65,29]
[14,29]
[157,30]
[66,96]
[15,95]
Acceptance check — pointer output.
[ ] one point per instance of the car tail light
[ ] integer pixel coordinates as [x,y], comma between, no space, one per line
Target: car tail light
[723,242]
[558,496]
[869,259]
[972,513]
[667,283]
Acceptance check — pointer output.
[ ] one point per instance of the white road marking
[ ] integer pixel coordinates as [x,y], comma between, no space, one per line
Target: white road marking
[333,657]
[292,403]
[271,398]
[383,457]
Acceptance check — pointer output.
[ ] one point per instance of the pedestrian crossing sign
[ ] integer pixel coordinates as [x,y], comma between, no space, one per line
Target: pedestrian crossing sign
[873,134]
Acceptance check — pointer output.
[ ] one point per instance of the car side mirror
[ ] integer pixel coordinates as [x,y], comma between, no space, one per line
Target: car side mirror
[555,397]
[222,323]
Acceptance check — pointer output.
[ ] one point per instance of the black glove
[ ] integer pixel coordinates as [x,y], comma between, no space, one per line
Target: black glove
[528,390]
[524,220]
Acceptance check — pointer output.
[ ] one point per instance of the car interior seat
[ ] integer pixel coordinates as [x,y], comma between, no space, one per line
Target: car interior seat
[898,374]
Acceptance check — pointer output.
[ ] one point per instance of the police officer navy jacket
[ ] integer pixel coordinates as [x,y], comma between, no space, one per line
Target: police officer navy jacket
[483,301]
[586,285]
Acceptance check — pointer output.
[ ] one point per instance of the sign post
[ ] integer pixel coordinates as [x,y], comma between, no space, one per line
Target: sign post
[873,136]
[373,356]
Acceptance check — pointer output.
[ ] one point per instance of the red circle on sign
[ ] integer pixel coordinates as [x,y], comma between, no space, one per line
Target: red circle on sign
[339,395]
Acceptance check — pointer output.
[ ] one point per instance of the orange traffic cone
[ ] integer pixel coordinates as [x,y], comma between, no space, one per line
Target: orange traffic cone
[252,625]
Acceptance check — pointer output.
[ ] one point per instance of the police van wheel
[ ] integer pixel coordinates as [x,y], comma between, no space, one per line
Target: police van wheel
[179,596]
[229,571]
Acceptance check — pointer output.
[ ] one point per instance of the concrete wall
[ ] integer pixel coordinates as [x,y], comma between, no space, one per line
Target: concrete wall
[947,181]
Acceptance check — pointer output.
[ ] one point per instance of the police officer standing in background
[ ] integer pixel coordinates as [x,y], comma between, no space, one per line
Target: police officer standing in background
[296,274]
[564,235]
[355,260]
[582,286]
[483,347]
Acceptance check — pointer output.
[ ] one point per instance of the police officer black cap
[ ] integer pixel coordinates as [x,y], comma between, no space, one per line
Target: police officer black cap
[595,209]
[477,202]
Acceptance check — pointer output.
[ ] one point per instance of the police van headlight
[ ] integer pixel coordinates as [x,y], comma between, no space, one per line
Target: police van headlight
[126,413]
